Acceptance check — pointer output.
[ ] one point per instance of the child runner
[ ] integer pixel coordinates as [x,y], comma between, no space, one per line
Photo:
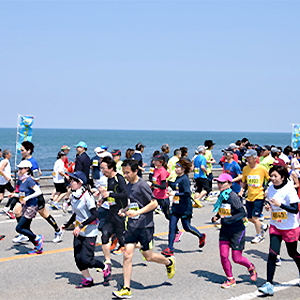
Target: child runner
[232,234]
[182,206]
[283,203]
[28,193]
[140,226]
[85,232]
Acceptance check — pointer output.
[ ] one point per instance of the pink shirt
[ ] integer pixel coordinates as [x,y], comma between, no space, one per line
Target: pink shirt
[160,175]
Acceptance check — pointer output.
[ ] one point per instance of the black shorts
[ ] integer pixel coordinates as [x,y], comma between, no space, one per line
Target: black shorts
[60,187]
[142,235]
[41,202]
[202,184]
[254,208]
[236,239]
[6,186]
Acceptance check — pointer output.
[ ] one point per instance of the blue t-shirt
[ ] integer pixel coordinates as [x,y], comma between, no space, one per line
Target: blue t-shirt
[199,161]
[34,163]
[26,187]
[233,169]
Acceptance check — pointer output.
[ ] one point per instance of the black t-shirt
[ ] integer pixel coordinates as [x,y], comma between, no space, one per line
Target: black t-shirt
[140,195]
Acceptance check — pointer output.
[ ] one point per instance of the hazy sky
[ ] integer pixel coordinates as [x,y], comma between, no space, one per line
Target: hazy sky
[170,65]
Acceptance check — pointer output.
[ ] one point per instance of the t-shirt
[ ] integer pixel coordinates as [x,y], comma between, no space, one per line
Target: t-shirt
[6,171]
[34,168]
[295,166]
[171,168]
[160,175]
[26,187]
[138,156]
[286,195]
[208,156]
[119,167]
[66,162]
[95,163]
[83,163]
[198,162]
[267,162]
[233,169]
[81,207]
[59,166]
[255,178]
[140,195]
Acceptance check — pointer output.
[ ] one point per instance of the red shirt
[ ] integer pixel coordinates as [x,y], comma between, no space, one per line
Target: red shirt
[66,162]
[160,175]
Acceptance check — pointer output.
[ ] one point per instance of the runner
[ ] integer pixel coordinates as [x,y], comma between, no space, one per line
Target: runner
[140,227]
[83,161]
[139,149]
[266,159]
[209,144]
[116,196]
[182,207]
[254,176]
[85,232]
[232,234]
[116,153]
[95,166]
[172,164]
[28,193]
[165,149]
[283,203]
[27,149]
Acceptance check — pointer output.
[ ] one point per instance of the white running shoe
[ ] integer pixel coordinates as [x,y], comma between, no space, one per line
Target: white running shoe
[264,229]
[278,261]
[65,207]
[20,239]
[5,209]
[258,238]
[58,236]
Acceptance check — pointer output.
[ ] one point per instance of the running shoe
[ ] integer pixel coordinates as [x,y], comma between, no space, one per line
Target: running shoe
[202,240]
[171,268]
[65,207]
[278,261]
[119,251]
[245,221]
[198,203]
[107,274]
[2,237]
[55,206]
[229,283]
[58,236]
[10,214]
[208,199]
[167,252]
[85,283]
[50,201]
[253,273]
[178,236]
[219,226]
[113,244]
[5,209]
[258,239]
[158,210]
[20,239]
[35,251]
[264,229]
[267,289]
[39,242]
[123,293]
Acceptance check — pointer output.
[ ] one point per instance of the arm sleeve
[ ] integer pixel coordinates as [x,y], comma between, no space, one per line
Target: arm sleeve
[37,192]
[92,218]
[122,186]
[292,208]
[163,185]
[71,220]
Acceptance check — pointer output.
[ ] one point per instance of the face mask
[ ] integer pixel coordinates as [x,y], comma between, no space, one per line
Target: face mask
[23,177]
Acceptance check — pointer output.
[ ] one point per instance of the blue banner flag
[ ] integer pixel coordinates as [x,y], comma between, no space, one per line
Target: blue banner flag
[296,136]
[24,130]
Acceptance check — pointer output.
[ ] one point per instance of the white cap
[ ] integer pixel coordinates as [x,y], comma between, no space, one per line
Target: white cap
[25,164]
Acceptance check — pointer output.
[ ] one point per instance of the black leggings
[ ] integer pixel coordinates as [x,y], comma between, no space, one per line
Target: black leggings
[165,206]
[275,243]
[23,227]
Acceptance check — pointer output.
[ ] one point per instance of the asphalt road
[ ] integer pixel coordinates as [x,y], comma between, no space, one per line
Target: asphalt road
[199,274]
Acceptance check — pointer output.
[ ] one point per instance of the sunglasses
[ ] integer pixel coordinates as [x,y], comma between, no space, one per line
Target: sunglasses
[222,182]
[21,168]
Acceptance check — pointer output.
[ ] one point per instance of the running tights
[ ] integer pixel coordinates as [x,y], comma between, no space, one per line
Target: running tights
[23,227]
[236,257]
[275,243]
[186,223]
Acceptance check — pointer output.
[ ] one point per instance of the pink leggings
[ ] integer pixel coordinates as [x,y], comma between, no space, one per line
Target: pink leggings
[236,257]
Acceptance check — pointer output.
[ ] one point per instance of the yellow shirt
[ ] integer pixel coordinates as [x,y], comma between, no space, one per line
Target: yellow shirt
[255,179]
[208,157]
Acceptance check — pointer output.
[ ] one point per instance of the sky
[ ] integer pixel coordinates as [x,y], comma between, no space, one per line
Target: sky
[151,65]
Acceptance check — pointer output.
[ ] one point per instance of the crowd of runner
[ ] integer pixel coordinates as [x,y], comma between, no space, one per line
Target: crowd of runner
[111,196]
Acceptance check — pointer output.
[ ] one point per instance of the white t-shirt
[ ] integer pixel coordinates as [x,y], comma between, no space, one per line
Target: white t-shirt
[6,170]
[284,157]
[58,167]
[81,207]
[280,218]
[295,166]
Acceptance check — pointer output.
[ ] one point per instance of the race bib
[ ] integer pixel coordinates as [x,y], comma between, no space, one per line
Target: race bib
[253,180]
[154,180]
[225,210]
[134,206]
[196,170]
[176,200]
[111,201]
[279,216]
[151,170]
[78,223]
[95,163]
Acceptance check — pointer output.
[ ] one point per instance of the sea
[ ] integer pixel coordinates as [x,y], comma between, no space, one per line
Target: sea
[48,142]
